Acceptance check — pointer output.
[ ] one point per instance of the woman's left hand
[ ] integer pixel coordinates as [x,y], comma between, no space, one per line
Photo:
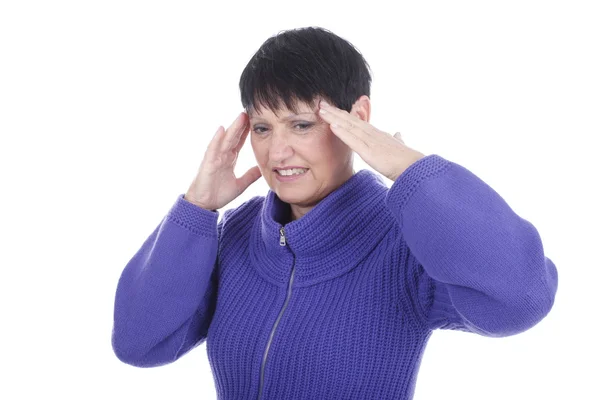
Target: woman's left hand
[387,154]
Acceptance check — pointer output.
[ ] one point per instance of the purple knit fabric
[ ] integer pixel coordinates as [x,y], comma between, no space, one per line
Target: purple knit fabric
[345,307]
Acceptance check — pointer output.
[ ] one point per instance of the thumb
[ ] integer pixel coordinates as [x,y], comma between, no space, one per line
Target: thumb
[249,178]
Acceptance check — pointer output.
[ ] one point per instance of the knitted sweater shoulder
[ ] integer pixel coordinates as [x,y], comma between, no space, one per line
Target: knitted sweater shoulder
[340,303]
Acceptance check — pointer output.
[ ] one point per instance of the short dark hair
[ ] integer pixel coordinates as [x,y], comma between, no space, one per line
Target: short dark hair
[300,65]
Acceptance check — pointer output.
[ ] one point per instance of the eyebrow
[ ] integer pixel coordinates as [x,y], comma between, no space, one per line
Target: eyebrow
[285,118]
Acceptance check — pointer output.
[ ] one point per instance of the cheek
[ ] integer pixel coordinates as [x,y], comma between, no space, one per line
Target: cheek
[331,144]
[316,143]
[257,147]
[259,154]
[320,152]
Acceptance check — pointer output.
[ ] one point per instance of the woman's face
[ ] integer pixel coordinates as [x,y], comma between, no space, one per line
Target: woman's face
[299,140]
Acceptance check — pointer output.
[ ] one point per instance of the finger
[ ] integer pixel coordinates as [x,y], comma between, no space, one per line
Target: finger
[233,133]
[214,144]
[340,116]
[243,136]
[248,178]
[358,143]
[243,132]
[345,128]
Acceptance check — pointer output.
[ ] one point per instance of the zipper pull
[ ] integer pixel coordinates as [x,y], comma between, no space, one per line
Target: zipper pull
[281,237]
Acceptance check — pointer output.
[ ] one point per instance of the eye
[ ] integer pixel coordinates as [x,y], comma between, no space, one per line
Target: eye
[303,127]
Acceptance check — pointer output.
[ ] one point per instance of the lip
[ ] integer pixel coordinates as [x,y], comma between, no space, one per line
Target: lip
[289,167]
[290,178]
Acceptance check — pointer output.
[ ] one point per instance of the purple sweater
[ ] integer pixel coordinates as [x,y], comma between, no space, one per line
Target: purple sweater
[340,303]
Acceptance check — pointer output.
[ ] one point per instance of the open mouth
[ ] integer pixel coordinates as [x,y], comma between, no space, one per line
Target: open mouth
[292,172]
[295,174]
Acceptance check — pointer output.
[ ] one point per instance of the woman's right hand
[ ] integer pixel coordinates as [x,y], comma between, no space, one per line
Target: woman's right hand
[215,184]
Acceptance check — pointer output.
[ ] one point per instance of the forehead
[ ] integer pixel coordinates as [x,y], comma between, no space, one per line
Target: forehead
[283,112]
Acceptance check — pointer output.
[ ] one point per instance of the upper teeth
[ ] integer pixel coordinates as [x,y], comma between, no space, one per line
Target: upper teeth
[293,171]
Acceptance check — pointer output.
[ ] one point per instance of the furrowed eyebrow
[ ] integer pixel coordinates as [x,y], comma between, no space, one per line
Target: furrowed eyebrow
[287,118]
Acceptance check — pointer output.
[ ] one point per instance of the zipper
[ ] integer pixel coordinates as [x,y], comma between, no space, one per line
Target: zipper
[282,242]
[281,236]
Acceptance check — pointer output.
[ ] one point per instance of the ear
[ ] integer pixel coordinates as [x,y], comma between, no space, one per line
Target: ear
[362,108]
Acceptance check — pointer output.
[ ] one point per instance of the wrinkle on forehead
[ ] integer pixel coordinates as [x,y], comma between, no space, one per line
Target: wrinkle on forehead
[285,117]
[297,108]
[288,117]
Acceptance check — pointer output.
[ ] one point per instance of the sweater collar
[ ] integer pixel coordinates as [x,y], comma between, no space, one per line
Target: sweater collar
[329,240]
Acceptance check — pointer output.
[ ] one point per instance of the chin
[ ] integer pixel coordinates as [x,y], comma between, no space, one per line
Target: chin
[289,196]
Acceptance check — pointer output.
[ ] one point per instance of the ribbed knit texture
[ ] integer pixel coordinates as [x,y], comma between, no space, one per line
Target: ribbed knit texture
[373,272]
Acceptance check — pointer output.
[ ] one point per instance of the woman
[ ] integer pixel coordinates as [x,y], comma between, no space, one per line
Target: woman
[330,286]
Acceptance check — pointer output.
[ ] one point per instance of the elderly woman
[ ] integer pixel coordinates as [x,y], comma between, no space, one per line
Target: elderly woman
[328,287]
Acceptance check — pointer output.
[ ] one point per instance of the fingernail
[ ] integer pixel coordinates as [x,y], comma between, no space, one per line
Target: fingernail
[324,103]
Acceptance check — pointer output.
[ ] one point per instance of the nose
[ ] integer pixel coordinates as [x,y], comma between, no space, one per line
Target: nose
[280,147]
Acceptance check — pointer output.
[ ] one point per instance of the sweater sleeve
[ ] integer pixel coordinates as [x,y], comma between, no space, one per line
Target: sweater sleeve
[165,297]
[473,264]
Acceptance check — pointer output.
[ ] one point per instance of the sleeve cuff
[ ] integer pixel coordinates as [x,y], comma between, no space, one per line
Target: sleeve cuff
[197,219]
[409,181]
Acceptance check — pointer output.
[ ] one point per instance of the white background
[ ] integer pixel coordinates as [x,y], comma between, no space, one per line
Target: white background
[106,109]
